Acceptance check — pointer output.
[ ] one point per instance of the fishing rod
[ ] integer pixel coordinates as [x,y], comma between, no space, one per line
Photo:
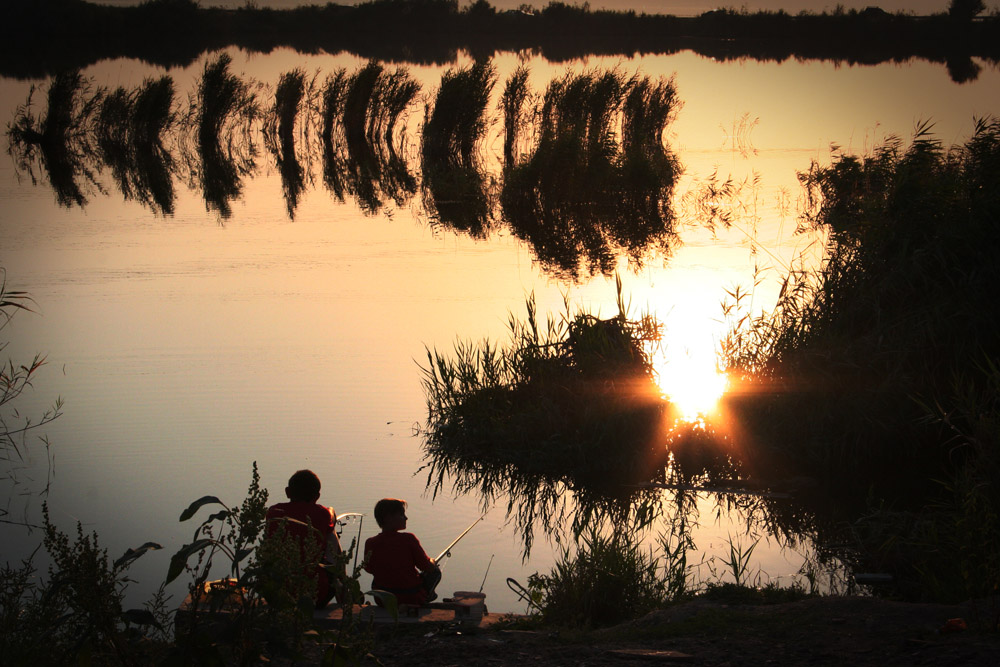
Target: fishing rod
[447,549]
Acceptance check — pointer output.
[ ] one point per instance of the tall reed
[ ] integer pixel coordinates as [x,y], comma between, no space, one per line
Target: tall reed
[291,96]
[515,94]
[333,93]
[224,101]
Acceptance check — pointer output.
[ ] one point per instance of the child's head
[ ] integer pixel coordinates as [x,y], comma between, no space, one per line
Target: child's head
[303,487]
[387,509]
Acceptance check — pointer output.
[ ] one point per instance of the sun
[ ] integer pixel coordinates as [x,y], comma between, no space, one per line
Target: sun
[690,380]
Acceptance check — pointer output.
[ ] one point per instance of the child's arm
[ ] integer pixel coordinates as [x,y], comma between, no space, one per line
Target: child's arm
[423,562]
[367,560]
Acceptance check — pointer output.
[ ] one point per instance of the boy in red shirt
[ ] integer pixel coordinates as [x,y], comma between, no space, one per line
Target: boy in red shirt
[396,560]
[312,525]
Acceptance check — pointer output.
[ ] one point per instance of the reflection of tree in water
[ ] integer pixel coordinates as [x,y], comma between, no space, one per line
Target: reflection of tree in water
[359,137]
[455,187]
[583,196]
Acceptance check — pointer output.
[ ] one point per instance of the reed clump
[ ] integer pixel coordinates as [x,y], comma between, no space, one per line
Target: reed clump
[455,187]
[224,103]
[609,579]
[457,123]
[569,404]
[844,379]
[332,101]
[515,117]
[599,179]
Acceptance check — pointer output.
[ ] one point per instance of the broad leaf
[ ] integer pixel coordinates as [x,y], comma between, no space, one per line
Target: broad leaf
[218,516]
[388,600]
[131,554]
[141,617]
[196,505]
[179,560]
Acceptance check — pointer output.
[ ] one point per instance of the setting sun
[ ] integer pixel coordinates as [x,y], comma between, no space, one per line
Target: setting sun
[691,381]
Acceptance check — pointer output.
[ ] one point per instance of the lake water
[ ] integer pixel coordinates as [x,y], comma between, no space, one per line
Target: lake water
[188,346]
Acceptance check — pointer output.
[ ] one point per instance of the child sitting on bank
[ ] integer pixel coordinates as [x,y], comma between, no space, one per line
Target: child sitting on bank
[313,526]
[396,560]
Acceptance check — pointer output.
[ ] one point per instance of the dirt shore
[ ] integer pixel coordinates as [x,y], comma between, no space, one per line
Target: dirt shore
[818,631]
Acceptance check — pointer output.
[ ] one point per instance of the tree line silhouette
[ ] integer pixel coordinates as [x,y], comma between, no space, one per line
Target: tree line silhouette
[49,36]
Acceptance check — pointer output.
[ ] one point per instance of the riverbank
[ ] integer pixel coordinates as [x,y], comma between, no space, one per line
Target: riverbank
[815,631]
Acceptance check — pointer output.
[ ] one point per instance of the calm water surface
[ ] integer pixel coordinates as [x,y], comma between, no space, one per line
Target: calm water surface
[187,347]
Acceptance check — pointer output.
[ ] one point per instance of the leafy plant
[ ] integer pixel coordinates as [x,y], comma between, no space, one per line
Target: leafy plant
[14,380]
[237,602]
[608,580]
[76,615]
[264,607]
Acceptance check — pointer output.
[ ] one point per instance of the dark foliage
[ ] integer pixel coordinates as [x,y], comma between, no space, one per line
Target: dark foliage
[78,33]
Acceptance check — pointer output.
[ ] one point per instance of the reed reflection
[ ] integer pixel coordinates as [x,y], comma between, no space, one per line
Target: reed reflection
[130,129]
[455,187]
[224,111]
[586,175]
[59,146]
[566,425]
[279,135]
[361,140]
[582,197]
